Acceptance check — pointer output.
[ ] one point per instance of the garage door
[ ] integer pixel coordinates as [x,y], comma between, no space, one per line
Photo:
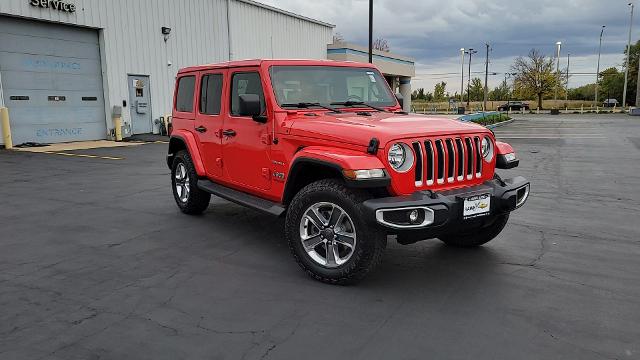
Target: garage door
[51,81]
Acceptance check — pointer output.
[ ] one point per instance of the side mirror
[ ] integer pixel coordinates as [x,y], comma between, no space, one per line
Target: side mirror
[249,105]
[400,99]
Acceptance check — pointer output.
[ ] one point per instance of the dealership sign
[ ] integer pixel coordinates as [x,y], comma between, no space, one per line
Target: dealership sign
[54,5]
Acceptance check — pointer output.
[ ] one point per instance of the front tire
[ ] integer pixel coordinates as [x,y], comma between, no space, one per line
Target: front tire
[184,180]
[477,237]
[328,235]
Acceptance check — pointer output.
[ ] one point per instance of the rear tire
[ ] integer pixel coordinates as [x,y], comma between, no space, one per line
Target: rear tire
[477,237]
[339,246]
[184,180]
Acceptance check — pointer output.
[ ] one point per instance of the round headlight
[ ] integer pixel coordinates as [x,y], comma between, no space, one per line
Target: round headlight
[400,157]
[487,149]
[397,156]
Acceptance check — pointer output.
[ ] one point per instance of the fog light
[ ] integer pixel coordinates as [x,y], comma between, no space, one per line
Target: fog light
[414,216]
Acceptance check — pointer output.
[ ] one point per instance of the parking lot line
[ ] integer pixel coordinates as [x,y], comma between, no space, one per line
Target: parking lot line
[83,155]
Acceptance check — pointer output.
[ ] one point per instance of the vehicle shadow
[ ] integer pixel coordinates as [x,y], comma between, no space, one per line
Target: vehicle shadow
[250,234]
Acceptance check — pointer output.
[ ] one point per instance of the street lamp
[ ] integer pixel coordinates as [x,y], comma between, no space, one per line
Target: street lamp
[626,70]
[559,44]
[566,93]
[598,69]
[462,78]
[470,52]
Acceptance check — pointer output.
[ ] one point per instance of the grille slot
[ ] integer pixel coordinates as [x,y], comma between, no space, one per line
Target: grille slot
[460,157]
[470,158]
[451,160]
[439,161]
[429,157]
[417,148]
[478,154]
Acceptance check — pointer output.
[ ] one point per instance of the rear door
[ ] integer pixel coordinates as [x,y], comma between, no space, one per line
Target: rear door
[246,143]
[208,123]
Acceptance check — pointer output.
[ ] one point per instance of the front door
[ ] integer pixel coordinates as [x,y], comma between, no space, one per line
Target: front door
[140,104]
[209,120]
[246,143]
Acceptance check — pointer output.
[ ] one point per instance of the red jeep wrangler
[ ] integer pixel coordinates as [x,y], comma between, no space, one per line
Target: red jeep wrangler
[326,144]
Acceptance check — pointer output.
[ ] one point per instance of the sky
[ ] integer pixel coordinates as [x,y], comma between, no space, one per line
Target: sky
[433,31]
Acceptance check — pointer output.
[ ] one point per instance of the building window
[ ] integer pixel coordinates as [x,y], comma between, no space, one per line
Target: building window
[245,83]
[211,94]
[184,98]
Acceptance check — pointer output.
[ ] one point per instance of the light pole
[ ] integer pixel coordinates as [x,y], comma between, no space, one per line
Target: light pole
[462,78]
[598,69]
[470,52]
[486,80]
[626,70]
[370,31]
[566,93]
[506,76]
[559,44]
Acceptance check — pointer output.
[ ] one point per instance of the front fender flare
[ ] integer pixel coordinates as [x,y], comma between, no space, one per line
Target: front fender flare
[337,160]
[189,143]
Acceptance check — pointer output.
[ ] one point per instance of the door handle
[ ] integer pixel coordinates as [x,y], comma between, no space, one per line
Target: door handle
[201,129]
[229,133]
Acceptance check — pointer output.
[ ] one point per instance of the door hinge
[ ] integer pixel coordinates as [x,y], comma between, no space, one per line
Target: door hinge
[219,162]
[266,173]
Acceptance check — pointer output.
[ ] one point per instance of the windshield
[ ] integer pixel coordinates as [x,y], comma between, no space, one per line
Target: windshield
[330,85]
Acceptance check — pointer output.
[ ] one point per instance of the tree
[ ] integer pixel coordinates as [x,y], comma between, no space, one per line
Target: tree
[439,91]
[381,44]
[500,93]
[585,92]
[535,75]
[612,84]
[633,73]
[476,90]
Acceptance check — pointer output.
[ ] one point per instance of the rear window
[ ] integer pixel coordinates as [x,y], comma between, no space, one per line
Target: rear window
[184,98]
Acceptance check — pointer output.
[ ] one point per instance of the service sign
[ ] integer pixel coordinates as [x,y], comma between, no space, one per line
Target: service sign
[54,5]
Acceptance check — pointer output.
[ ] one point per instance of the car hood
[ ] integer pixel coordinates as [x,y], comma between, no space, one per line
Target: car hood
[359,130]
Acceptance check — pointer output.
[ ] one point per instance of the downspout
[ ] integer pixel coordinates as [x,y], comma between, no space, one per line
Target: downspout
[230,55]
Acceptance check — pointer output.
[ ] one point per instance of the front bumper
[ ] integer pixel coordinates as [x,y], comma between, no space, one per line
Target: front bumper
[442,212]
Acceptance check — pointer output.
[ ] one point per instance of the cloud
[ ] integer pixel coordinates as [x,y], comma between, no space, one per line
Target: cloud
[433,31]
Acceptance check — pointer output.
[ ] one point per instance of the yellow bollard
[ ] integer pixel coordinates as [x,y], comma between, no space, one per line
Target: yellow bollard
[6,128]
[117,124]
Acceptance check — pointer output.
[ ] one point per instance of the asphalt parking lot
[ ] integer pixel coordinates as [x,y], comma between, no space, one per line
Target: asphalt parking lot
[97,262]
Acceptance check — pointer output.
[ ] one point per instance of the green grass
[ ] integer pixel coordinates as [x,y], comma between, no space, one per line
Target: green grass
[492,119]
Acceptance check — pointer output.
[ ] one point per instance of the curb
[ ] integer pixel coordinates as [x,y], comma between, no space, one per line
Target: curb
[503,123]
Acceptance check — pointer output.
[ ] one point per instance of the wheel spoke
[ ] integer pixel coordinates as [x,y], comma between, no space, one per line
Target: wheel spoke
[336,216]
[330,254]
[311,242]
[316,218]
[346,240]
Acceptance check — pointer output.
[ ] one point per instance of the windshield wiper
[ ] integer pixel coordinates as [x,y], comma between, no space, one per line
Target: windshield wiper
[359,103]
[306,105]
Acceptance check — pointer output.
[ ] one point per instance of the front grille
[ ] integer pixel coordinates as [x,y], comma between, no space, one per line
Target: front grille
[448,160]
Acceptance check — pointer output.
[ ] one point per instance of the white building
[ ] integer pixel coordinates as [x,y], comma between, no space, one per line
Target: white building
[65,64]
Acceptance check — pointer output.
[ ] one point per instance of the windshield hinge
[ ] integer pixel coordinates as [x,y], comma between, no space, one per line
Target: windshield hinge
[373,146]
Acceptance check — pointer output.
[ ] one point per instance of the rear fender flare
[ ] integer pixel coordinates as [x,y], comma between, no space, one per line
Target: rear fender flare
[185,139]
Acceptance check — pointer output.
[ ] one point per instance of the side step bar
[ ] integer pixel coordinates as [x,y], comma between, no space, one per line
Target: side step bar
[241,198]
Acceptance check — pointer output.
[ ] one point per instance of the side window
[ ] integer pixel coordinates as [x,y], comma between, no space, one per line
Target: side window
[245,83]
[185,96]
[211,94]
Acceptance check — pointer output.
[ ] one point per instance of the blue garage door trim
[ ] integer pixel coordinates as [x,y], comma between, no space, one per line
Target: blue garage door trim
[52,81]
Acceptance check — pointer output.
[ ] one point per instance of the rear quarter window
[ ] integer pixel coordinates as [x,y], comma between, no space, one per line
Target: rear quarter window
[185,94]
